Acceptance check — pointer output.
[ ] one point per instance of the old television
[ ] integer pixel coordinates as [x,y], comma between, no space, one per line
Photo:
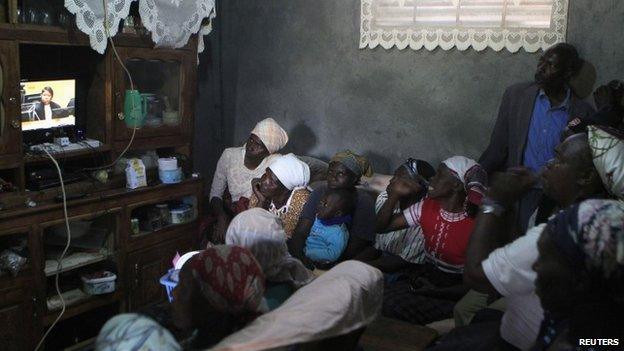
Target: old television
[48,104]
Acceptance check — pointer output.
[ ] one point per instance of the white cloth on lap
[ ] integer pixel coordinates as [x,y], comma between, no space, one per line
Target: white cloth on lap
[344,299]
[510,270]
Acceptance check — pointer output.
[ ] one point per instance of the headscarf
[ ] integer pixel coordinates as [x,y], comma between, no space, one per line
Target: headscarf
[262,233]
[131,331]
[607,148]
[229,278]
[421,168]
[354,162]
[471,174]
[271,134]
[591,234]
[291,171]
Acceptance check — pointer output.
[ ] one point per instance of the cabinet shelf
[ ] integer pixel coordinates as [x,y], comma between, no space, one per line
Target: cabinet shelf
[73,261]
[30,158]
[80,303]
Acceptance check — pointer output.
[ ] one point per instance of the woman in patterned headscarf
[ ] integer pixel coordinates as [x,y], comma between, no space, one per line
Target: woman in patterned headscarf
[220,290]
[580,274]
[396,250]
[344,172]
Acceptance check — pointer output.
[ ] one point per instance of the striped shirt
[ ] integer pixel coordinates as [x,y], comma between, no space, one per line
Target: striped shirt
[407,243]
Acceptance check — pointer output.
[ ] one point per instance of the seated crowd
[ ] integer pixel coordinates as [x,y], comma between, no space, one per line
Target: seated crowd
[522,249]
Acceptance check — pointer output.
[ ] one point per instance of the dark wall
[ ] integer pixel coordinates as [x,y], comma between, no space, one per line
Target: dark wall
[298,61]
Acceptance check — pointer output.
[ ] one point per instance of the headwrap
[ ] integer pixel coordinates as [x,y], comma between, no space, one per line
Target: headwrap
[471,174]
[229,278]
[591,234]
[131,331]
[418,167]
[271,134]
[607,146]
[262,233]
[291,171]
[354,162]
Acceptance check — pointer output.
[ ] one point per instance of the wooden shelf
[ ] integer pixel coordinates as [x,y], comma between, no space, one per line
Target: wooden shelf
[162,229]
[37,158]
[83,304]
[73,261]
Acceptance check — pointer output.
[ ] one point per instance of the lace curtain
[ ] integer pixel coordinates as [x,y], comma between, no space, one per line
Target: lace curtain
[498,24]
[171,22]
[90,18]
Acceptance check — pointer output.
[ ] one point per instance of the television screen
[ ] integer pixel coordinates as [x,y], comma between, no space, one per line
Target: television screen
[48,104]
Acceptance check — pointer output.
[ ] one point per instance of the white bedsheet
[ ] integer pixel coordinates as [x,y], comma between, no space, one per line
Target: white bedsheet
[346,298]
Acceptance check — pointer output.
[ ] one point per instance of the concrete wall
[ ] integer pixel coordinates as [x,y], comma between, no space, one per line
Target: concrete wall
[298,61]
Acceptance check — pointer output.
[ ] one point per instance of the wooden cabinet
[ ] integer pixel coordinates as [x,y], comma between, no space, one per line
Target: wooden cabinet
[166,80]
[145,269]
[17,320]
[10,102]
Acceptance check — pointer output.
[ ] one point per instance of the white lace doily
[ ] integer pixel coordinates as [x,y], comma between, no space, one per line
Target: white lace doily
[417,37]
[173,21]
[90,18]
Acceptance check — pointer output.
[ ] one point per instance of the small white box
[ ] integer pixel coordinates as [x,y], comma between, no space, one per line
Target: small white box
[62,141]
[135,174]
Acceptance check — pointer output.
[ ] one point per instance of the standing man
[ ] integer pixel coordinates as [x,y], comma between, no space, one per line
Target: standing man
[530,120]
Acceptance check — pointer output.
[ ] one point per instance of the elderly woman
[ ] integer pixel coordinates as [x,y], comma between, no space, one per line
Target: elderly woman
[220,290]
[580,276]
[262,233]
[236,169]
[399,249]
[344,172]
[446,219]
[283,190]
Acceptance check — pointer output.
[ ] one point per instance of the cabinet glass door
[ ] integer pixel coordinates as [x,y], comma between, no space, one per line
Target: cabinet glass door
[158,82]
[160,104]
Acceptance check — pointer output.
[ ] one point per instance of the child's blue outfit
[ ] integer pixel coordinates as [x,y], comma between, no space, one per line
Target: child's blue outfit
[328,239]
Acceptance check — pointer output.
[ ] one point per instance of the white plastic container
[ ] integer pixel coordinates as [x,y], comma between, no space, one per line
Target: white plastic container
[181,214]
[98,286]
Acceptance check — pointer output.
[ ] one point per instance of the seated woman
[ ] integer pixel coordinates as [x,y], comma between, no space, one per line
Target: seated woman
[220,290]
[237,167]
[283,190]
[580,276]
[446,219]
[262,233]
[344,172]
[329,234]
[395,251]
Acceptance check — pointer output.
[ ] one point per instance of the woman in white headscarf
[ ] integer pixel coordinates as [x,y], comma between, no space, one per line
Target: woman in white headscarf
[262,233]
[231,185]
[283,190]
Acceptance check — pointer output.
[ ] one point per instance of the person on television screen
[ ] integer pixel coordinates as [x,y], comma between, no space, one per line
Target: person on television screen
[46,109]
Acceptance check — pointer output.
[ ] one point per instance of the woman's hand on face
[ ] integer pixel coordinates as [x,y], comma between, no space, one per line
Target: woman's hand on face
[508,187]
[255,186]
[402,188]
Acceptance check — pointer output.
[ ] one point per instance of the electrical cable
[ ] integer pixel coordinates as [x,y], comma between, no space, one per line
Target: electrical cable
[134,129]
[59,266]
[60,173]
